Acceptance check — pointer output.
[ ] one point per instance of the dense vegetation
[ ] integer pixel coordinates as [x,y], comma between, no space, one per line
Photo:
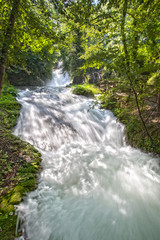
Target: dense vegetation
[119,50]
[112,44]
[27,37]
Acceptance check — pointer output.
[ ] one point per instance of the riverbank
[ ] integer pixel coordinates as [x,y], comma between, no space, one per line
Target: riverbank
[19,163]
[125,110]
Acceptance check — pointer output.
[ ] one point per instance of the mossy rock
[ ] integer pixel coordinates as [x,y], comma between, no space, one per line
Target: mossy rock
[6,206]
[16,198]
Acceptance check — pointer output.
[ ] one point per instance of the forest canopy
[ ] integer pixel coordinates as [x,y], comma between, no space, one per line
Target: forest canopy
[88,36]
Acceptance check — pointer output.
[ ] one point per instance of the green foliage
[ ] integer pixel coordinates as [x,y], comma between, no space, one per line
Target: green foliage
[73,19]
[9,107]
[88,90]
[108,99]
[9,91]
[31,54]
[37,69]
[137,137]
[81,90]
[125,110]
[8,222]
[154,81]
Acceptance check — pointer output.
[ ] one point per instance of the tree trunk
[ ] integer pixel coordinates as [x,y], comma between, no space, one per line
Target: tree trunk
[7,41]
[127,65]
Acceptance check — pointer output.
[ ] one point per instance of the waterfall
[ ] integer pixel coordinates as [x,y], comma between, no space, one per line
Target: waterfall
[92,185]
[59,78]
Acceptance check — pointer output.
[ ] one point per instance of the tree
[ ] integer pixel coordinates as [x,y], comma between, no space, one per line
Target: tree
[73,15]
[127,63]
[31,26]
[7,40]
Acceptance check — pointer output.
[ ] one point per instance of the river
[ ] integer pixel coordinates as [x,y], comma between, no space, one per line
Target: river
[92,185]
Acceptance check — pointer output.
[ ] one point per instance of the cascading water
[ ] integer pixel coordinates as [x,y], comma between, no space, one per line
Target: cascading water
[59,78]
[92,186]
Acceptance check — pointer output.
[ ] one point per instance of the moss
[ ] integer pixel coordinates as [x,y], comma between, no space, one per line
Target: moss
[16,198]
[27,168]
[29,184]
[6,207]
[7,226]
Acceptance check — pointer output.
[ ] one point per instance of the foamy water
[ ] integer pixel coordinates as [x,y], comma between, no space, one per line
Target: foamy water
[92,186]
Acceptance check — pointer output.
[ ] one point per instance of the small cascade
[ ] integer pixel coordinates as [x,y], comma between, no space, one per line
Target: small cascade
[59,78]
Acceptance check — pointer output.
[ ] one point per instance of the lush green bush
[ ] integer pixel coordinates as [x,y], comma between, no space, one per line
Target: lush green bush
[108,100]
[88,90]
[9,90]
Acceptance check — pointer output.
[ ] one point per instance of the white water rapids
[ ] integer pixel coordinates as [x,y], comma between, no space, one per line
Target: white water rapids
[92,186]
